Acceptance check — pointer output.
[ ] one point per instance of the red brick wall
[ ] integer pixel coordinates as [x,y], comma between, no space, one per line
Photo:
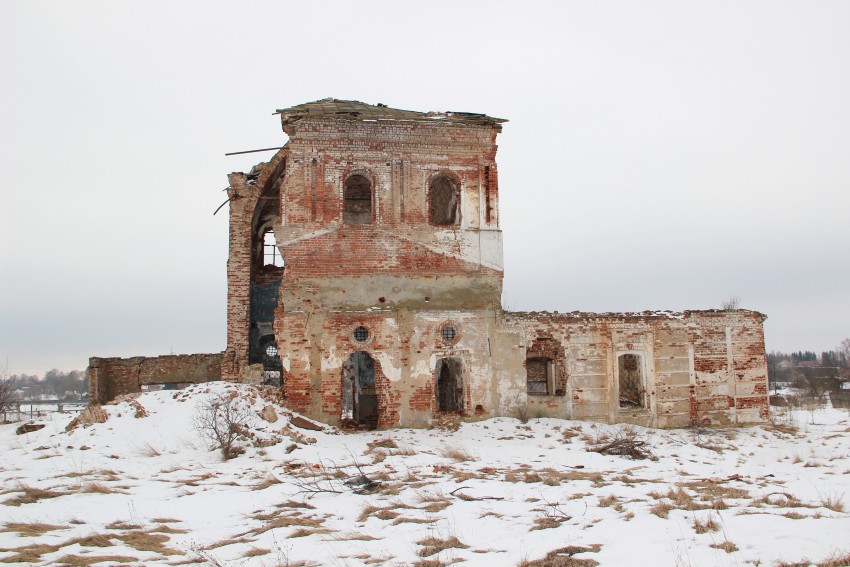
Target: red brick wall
[112,377]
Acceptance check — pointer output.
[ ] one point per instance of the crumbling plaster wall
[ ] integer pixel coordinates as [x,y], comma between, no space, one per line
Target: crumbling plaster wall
[701,367]
[405,345]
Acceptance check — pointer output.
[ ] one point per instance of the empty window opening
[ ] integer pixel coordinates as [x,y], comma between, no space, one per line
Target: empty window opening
[631,382]
[358,200]
[449,385]
[444,201]
[271,253]
[538,375]
[359,396]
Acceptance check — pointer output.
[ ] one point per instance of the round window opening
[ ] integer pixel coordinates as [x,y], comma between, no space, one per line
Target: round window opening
[361,333]
[271,351]
[449,333]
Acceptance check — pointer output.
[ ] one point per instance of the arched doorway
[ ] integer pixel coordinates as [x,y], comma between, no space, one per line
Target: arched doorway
[359,397]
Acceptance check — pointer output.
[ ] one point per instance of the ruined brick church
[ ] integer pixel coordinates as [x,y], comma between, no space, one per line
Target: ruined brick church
[365,279]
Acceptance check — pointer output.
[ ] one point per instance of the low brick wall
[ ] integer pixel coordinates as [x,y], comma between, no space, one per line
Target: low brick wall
[112,377]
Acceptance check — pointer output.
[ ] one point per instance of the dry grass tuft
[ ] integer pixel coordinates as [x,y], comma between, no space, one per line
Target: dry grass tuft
[705,526]
[164,529]
[726,546]
[256,552]
[93,540]
[409,520]
[85,561]
[432,545]
[289,521]
[31,494]
[29,553]
[545,523]
[680,497]
[303,532]
[143,541]
[606,501]
[148,450]
[98,488]
[662,509]
[228,541]
[834,502]
[457,453]
[122,525]
[352,536]
[294,504]
[31,529]
[563,557]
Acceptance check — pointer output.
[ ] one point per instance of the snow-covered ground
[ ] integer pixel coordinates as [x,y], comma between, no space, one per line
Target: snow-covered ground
[148,491]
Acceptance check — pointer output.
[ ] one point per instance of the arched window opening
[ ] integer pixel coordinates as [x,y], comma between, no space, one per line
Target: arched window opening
[271,253]
[358,200]
[359,396]
[539,373]
[631,381]
[449,385]
[443,205]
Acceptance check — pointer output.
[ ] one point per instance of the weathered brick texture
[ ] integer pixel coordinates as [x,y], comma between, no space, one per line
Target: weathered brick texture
[112,377]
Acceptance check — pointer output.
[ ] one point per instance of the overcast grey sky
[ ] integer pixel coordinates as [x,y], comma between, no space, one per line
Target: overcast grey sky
[659,155]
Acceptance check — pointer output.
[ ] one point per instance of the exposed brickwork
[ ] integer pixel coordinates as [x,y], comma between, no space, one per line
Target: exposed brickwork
[111,377]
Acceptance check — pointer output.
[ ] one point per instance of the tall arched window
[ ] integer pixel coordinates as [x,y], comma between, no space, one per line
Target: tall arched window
[444,198]
[358,200]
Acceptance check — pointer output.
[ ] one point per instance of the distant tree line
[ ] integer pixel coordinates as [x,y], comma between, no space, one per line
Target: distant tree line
[55,385]
[787,367]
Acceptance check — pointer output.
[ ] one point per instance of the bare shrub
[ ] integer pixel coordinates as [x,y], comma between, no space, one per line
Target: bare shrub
[730,303]
[8,394]
[223,419]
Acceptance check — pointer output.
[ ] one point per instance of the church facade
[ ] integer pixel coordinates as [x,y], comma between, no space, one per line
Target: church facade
[365,279]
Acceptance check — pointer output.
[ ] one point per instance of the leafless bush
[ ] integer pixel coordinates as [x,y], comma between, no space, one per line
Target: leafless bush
[731,302]
[223,419]
[8,394]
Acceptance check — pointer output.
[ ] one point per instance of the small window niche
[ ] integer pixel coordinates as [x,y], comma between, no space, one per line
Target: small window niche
[271,253]
[444,198]
[539,374]
[631,382]
[357,208]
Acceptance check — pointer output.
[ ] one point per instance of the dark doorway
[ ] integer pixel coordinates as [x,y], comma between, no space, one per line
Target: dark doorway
[358,200]
[449,385]
[359,397]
